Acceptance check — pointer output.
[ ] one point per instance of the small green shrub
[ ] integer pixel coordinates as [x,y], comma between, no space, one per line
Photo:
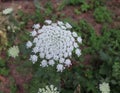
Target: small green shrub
[102,14]
[85,7]
[70,2]
[97,3]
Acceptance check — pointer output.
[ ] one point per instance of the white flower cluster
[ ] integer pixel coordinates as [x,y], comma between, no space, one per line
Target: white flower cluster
[104,87]
[48,89]
[54,42]
[13,51]
[7,11]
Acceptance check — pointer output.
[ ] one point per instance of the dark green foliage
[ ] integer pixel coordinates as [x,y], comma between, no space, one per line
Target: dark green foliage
[82,75]
[85,7]
[48,8]
[4,71]
[13,87]
[116,71]
[74,2]
[105,52]
[70,2]
[43,77]
[3,68]
[97,3]
[102,14]
[38,17]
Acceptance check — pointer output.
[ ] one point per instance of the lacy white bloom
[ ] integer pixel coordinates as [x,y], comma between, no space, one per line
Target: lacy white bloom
[104,87]
[33,58]
[29,44]
[48,89]
[13,51]
[55,43]
[36,26]
[7,11]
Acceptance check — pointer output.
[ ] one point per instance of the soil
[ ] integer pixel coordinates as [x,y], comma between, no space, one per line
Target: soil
[28,7]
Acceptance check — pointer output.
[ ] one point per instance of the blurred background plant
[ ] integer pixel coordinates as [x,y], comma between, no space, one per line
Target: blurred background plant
[3,68]
[102,14]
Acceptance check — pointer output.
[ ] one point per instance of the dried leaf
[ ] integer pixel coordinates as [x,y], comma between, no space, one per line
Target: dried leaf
[77,90]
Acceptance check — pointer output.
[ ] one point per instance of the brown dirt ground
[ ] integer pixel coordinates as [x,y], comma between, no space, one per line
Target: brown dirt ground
[28,7]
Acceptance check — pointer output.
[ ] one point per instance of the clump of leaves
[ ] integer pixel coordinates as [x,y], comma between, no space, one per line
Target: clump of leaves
[13,87]
[102,14]
[70,2]
[74,2]
[116,70]
[85,7]
[105,51]
[97,3]
[43,77]
[48,8]
[3,68]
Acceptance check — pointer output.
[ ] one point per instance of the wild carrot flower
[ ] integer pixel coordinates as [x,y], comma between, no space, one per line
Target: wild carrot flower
[48,89]
[104,87]
[13,51]
[54,44]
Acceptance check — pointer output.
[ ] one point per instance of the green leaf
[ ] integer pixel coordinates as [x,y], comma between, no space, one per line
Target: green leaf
[103,56]
[37,4]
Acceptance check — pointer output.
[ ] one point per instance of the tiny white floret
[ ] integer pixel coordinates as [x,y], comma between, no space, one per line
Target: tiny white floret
[68,62]
[51,62]
[33,33]
[78,52]
[48,22]
[74,34]
[68,26]
[44,63]
[33,58]
[29,44]
[60,23]
[60,67]
[79,39]
[36,26]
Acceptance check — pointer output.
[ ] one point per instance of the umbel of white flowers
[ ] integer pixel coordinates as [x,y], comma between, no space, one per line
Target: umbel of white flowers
[104,87]
[54,43]
[48,89]
[7,11]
